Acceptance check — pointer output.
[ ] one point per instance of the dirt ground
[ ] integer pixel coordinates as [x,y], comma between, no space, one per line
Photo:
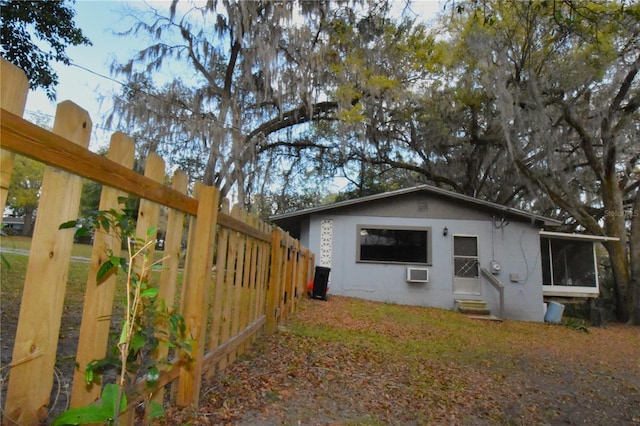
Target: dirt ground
[349,362]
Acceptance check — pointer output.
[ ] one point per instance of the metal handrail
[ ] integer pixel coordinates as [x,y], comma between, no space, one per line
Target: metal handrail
[497,285]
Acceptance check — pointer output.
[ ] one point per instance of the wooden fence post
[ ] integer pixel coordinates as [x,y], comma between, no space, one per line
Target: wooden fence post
[14,87]
[34,353]
[98,300]
[197,277]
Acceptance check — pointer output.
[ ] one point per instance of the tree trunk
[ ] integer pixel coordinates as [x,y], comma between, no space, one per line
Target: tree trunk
[27,229]
[634,249]
[618,252]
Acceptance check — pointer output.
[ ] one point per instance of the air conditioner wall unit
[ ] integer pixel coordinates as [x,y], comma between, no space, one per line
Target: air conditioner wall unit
[417,275]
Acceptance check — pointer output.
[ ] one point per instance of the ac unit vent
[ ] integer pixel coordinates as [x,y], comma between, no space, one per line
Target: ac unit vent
[417,275]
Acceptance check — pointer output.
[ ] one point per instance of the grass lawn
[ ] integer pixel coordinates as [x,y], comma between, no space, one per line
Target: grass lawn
[24,243]
[13,276]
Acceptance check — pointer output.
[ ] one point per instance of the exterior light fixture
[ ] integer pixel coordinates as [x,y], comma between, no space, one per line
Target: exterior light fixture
[445,231]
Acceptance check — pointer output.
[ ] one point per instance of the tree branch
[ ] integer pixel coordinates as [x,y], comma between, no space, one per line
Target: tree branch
[292,117]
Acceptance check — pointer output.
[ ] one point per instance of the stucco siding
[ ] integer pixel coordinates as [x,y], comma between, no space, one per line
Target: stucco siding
[514,245]
[518,251]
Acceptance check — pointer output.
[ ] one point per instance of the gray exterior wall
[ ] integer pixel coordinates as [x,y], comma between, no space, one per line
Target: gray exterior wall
[514,244]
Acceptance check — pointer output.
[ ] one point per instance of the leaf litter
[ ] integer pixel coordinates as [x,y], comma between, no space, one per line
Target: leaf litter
[353,362]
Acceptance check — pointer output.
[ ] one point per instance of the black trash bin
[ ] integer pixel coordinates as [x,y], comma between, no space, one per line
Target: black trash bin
[320,283]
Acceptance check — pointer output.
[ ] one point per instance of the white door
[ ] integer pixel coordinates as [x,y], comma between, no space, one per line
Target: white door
[466,277]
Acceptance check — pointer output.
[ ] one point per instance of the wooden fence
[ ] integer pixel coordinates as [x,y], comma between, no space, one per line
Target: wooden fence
[241,276]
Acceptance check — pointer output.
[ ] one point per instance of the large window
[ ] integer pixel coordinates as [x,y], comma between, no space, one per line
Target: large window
[394,244]
[568,263]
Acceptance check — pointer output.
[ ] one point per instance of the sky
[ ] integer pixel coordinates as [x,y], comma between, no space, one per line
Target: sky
[98,20]
[85,83]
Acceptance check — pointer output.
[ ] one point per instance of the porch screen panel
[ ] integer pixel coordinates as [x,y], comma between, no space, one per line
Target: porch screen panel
[568,263]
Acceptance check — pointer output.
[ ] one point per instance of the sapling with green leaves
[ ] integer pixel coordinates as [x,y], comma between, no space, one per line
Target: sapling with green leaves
[147,323]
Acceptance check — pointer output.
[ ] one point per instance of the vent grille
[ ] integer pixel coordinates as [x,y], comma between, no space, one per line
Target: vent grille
[417,275]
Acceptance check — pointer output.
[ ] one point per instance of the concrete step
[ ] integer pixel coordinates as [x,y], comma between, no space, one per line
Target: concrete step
[473,307]
[470,302]
[474,311]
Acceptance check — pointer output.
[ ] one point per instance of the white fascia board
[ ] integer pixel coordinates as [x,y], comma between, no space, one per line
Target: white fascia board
[567,291]
[584,237]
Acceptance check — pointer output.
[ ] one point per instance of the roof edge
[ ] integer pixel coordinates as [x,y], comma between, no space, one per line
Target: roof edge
[427,188]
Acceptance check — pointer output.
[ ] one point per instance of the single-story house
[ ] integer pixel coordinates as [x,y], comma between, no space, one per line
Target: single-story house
[427,246]
[12,225]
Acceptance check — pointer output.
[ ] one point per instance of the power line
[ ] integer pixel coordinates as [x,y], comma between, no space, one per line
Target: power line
[97,74]
[215,121]
[95,126]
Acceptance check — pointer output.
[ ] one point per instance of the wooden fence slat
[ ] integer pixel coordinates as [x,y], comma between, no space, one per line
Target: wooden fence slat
[217,312]
[98,301]
[237,289]
[171,263]
[197,277]
[149,211]
[34,354]
[148,215]
[191,236]
[254,265]
[229,274]
[263,273]
[295,278]
[14,87]
[245,299]
[281,276]
[274,279]
[257,304]
[288,278]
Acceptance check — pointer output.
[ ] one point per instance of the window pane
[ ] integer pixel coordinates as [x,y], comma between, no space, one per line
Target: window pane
[465,246]
[393,245]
